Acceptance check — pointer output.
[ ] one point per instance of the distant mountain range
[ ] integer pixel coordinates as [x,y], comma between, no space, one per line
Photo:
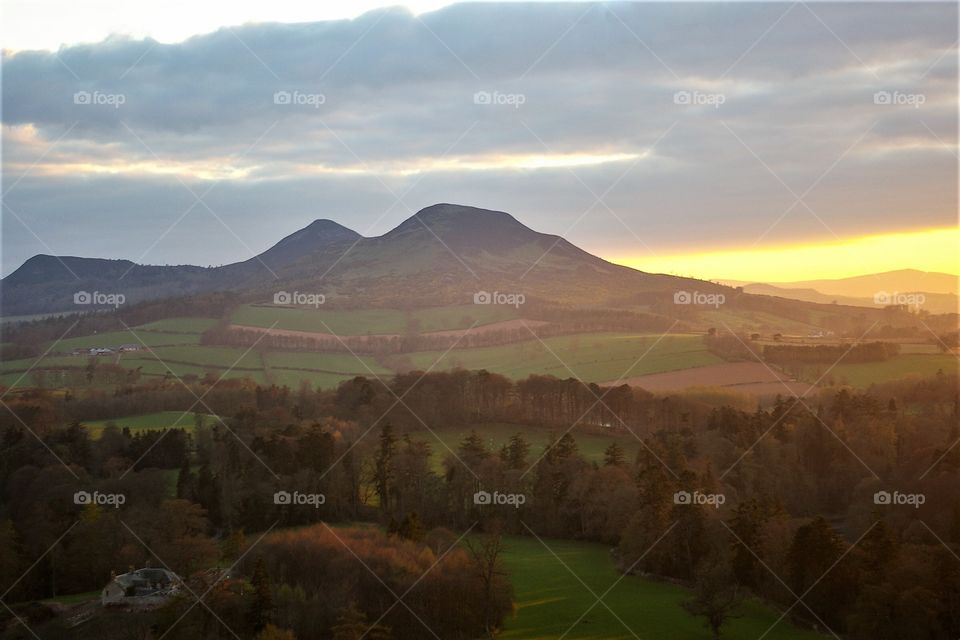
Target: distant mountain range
[440,255]
[939,290]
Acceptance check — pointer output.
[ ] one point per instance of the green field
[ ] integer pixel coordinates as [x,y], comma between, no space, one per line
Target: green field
[221,357]
[372,321]
[329,362]
[549,600]
[179,325]
[48,362]
[495,435]
[117,338]
[592,357]
[293,379]
[864,374]
[747,321]
[150,421]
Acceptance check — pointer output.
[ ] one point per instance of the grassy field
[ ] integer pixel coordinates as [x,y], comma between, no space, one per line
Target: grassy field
[335,362]
[117,338]
[864,374]
[373,321]
[49,361]
[150,421]
[179,325]
[740,320]
[495,435]
[550,599]
[592,357]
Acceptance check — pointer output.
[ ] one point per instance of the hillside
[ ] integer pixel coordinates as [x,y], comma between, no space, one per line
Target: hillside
[441,255]
[939,290]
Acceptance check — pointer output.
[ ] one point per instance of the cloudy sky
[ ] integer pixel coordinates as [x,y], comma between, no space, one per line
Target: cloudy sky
[757,141]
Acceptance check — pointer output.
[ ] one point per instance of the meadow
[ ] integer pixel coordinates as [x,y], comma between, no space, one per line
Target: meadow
[151,422]
[592,357]
[864,374]
[552,589]
[371,321]
[495,435]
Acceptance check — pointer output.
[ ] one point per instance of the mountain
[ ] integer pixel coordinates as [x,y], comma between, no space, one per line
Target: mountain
[939,290]
[441,255]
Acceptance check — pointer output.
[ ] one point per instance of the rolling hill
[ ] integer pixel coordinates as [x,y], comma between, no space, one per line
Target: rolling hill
[441,255]
[939,290]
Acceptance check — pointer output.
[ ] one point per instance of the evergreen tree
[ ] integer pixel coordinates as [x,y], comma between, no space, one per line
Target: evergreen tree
[261,607]
[613,456]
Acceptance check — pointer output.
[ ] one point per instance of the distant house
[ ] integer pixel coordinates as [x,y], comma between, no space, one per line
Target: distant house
[101,351]
[129,347]
[141,587]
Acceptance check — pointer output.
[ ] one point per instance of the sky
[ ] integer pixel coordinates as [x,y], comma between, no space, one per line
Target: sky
[754,141]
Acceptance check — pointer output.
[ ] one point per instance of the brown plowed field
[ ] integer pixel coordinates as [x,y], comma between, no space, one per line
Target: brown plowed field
[747,377]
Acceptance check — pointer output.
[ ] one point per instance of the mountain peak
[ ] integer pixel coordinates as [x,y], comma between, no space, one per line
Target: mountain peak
[461,220]
[319,235]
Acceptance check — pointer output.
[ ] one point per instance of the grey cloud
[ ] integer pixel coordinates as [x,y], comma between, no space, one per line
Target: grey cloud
[394,94]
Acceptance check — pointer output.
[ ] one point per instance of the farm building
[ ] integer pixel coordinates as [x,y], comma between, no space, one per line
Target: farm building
[141,587]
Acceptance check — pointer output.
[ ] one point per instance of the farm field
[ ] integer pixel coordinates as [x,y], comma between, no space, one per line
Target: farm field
[495,435]
[117,338]
[748,321]
[150,422]
[49,361]
[372,321]
[327,362]
[179,325]
[550,599]
[744,377]
[864,374]
[592,357]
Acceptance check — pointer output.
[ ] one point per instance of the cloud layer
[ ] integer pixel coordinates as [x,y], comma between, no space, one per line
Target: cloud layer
[630,129]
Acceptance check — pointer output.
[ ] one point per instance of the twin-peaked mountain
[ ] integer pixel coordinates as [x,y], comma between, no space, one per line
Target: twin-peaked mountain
[440,255]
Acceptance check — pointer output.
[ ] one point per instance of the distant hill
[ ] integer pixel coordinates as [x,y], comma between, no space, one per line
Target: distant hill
[441,255]
[938,289]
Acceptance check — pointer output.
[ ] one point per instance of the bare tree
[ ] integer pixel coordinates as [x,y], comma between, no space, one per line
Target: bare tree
[716,594]
[485,550]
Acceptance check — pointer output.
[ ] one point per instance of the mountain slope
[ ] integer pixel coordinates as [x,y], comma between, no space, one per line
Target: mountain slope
[441,255]
[939,290]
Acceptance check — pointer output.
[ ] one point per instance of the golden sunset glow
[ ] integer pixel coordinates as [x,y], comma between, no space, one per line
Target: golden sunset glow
[927,250]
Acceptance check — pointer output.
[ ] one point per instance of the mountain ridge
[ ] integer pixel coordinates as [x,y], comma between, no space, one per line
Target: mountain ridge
[440,255]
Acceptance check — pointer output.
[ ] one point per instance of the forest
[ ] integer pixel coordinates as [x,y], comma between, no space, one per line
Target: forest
[799,513]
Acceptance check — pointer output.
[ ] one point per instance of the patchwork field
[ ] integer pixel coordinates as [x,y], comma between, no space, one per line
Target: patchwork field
[592,357]
[550,599]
